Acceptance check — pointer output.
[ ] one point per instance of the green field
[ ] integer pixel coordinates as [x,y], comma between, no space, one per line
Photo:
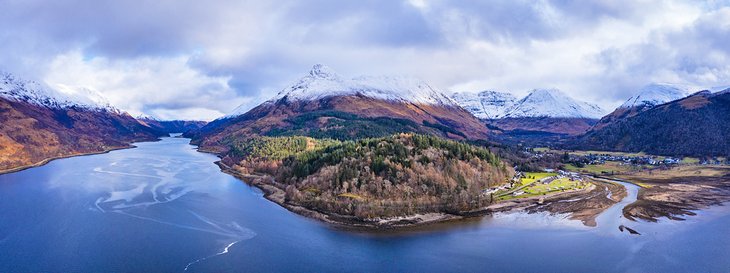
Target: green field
[555,185]
[690,160]
[532,177]
[531,187]
[608,168]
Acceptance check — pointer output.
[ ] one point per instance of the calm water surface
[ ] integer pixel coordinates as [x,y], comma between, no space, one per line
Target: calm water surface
[163,207]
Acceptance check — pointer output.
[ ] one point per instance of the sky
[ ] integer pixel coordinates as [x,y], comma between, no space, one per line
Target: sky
[188,59]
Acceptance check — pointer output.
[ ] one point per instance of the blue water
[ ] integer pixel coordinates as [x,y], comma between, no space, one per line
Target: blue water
[163,207]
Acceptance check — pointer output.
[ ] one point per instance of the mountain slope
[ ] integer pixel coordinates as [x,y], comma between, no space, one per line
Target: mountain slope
[646,98]
[38,123]
[324,105]
[654,94]
[485,104]
[697,125]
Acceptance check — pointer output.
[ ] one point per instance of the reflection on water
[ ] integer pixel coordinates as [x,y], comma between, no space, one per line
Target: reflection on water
[166,207]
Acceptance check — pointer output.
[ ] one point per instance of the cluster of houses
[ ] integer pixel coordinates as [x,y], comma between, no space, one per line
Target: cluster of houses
[645,160]
[595,159]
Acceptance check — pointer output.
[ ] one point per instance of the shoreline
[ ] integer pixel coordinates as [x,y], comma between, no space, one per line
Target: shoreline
[530,205]
[50,159]
[276,195]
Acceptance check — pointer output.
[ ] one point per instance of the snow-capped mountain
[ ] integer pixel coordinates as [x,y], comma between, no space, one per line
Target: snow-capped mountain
[14,88]
[485,104]
[327,105]
[655,94]
[322,82]
[552,103]
[40,123]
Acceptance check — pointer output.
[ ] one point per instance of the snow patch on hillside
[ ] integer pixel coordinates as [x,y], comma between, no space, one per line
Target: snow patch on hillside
[14,88]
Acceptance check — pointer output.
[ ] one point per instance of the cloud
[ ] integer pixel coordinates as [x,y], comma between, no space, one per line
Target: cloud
[184,58]
[694,54]
[157,86]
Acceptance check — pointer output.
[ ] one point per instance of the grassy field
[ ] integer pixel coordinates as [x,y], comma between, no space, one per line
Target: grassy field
[608,168]
[532,177]
[532,187]
[690,160]
[555,185]
[584,153]
[680,172]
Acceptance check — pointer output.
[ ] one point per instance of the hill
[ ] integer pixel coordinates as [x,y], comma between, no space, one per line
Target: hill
[38,123]
[399,175]
[697,125]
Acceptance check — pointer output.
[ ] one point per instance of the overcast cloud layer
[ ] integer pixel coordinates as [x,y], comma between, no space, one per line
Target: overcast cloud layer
[200,59]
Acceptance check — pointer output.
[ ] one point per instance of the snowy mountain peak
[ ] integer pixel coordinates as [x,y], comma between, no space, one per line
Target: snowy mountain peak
[486,104]
[322,82]
[14,88]
[548,93]
[655,94]
[552,103]
[323,71]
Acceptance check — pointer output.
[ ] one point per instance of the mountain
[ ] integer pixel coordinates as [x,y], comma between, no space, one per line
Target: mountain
[542,117]
[171,126]
[323,104]
[646,98]
[485,104]
[38,123]
[697,125]
[552,103]
[654,94]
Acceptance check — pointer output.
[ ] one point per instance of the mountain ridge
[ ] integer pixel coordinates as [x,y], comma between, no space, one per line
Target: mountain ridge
[325,105]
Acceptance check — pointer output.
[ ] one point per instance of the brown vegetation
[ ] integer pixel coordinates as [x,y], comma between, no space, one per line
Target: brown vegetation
[31,134]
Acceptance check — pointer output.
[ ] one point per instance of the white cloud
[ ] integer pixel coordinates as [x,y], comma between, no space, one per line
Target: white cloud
[157,86]
[191,57]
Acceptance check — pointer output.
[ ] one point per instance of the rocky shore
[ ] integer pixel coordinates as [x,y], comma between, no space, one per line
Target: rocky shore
[674,194]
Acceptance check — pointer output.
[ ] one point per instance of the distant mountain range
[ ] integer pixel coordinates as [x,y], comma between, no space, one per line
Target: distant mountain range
[485,104]
[544,114]
[171,126]
[323,104]
[551,103]
[38,123]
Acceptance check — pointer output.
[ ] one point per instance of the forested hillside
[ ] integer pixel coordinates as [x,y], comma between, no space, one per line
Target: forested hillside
[396,175]
[698,125]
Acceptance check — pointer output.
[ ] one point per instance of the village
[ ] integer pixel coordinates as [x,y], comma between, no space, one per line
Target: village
[529,184]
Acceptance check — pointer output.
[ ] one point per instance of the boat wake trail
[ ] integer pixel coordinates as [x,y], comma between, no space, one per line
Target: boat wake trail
[224,251]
